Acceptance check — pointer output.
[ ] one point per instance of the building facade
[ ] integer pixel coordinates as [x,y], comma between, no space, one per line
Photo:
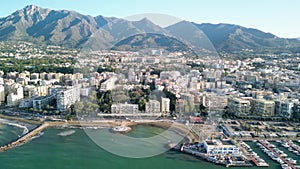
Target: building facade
[2,94]
[264,108]
[109,84]
[42,102]
[284,108]
[215,147]
[124,108]
[165,105]
[153,106]
[66,96]
[239,106]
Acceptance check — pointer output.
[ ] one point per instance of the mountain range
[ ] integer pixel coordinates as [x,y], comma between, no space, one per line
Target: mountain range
[74,30]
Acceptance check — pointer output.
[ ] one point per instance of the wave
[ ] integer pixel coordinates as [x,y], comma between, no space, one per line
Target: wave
[25,129]
[66,133]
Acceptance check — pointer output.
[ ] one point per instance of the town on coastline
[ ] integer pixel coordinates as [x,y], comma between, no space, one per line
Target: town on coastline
[223,102]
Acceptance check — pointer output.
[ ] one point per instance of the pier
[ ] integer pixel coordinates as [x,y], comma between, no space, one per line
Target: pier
[294,146]
[257,163]
[24,138]
[276,154]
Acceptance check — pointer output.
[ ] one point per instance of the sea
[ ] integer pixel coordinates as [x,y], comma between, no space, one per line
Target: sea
[77,150]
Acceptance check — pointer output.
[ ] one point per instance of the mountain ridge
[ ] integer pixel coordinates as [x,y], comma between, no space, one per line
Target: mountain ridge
[75,30]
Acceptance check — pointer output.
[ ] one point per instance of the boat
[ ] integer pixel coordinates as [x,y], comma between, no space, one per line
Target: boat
[292,160]
[263,164]
[285,145]
[285,166]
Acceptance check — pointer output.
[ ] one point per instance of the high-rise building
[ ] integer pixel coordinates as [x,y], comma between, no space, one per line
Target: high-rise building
[2,94]
[239,106]
[189,102]
[12,99]
[15,95]
[262,107]
[66,96]
[165,105]
[284,108]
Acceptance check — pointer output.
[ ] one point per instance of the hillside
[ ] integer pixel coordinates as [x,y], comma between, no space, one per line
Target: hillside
[74,30]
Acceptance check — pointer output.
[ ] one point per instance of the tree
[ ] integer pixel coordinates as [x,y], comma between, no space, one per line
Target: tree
[93,97]
[105,101]
[44,112]
[203,110]
[68,117]
[78,106]
[142,104]
[257,130]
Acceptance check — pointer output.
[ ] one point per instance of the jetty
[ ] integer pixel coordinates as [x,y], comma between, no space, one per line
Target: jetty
[295,147]
[24,138]
[257,162]
[268,147]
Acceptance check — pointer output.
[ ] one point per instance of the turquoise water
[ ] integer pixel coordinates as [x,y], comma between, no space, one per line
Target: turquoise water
[8,133]
[78,151]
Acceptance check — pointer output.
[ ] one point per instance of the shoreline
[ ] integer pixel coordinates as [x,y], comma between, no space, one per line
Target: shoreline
[20,119]
[42,125]
[179,128]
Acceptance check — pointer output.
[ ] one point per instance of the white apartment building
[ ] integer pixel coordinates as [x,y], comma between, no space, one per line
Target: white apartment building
[124,108]
[66,96]
[153,106]
[2,94]
[16,94]
[12,99]
[165,105]
[109,84]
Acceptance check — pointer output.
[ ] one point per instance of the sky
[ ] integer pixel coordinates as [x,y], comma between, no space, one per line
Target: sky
[280,17]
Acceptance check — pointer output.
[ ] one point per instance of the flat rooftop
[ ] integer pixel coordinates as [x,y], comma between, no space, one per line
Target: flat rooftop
[211,143]
[227,142]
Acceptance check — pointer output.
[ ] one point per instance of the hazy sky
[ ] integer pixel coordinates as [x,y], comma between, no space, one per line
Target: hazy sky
[280,17]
